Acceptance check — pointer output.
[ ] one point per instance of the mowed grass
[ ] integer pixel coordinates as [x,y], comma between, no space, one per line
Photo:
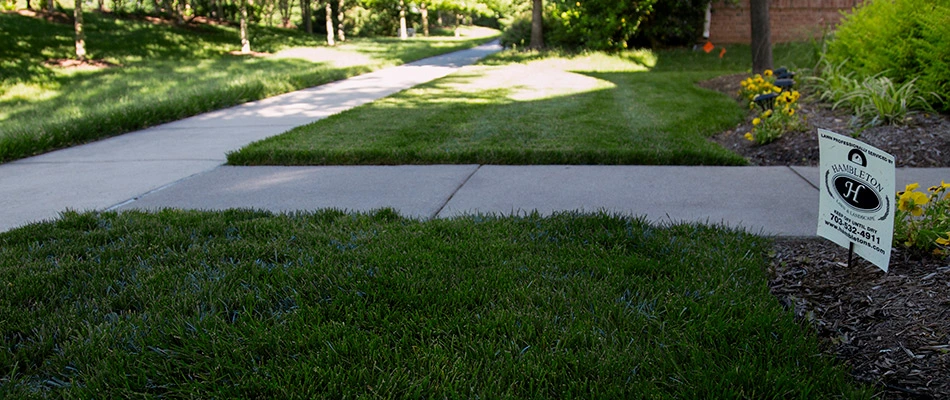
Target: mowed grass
[164,73]
[243,304]
[637,107]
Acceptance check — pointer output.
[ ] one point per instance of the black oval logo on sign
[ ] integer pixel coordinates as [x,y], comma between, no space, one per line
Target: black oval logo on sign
[857,194]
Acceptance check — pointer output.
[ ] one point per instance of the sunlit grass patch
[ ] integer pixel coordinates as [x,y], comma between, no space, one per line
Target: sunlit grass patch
[524,108]
[242,304]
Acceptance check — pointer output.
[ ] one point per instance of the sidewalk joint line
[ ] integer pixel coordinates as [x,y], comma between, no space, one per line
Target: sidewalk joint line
[452,196]
[158,189]
[803,178]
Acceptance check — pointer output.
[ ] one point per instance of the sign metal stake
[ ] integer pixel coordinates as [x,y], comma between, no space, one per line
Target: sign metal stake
[850,254]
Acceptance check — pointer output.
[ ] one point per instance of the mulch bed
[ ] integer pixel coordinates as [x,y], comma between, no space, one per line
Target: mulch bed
[892,329]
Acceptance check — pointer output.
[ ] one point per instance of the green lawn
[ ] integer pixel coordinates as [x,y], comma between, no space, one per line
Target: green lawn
[638,107]
[164,74]
[243,304]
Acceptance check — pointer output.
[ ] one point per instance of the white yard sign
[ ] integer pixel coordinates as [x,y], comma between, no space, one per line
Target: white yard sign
[857,196]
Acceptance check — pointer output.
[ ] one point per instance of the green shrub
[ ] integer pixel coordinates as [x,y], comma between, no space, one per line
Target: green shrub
[902,40]
[672,23]
[517,34]
[590,25]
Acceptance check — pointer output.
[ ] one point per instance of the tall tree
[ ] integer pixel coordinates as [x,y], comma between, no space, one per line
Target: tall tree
[537,27]
[307,18]
[245,42]
[80,35]
[761,36]
[403,33]
[52,6]
[340,17]
[425,19]
[329,10]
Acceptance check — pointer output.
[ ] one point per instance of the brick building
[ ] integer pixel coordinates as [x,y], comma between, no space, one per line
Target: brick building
[790,20]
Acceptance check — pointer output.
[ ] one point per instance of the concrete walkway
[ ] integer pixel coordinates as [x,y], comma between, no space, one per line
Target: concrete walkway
[180,165]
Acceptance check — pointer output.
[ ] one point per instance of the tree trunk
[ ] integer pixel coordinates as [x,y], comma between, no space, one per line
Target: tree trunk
[245,42]
[179,12]
[52,6]
[761,36]
[438,18]
[458,22]
[80,35]
[102,5]
[403,34]
[425,19]
[307,17]
[329,10]
[28,6]
[537,28]
[341,16]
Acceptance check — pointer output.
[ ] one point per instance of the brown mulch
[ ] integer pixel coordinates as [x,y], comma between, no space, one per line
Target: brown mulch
[892,329]
[81,65]
[923,142]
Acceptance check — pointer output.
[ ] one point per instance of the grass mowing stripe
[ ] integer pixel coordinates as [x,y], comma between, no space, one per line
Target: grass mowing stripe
[636,107]
[510,115]
[331,305]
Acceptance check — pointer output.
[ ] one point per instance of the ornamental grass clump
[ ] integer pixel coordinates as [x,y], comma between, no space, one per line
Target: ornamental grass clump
[922,221]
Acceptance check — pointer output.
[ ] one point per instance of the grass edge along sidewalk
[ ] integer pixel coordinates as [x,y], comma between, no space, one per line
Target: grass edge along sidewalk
[332,305]
[163,73]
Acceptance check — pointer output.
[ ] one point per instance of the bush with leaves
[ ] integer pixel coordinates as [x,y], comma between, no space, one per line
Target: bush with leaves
[901,40]
[922,220]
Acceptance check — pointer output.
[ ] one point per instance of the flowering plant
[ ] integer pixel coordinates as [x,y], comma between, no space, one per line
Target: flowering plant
[770,125]
[922,221]
[759,84]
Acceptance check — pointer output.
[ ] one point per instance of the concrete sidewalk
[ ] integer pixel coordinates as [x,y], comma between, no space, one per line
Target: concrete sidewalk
[180,165]
[771,200]
[99,175]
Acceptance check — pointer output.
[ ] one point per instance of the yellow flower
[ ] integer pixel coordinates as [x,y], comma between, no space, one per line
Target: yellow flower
[790,112]
[756,121]
[767,113]
[767,72]
[776,89]
[749,137]
[911,187]
[912,202]
[944,242]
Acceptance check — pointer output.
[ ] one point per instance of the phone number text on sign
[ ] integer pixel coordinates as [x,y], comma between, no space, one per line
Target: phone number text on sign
[856,231]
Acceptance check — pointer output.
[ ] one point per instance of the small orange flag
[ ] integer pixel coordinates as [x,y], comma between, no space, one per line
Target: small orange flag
[708,47]
[722,52]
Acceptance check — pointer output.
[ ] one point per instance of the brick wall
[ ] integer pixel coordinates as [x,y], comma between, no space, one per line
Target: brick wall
[790,20]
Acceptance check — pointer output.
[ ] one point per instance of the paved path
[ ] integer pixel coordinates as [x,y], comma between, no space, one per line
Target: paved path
[180,165]
[103,174]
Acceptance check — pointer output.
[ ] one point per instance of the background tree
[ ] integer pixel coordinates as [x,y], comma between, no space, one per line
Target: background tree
[245,41]
[307,16]
[425,18]
[761,36]
[403,33]
[537,24]
[80,35]
[341,17]
[329,11]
